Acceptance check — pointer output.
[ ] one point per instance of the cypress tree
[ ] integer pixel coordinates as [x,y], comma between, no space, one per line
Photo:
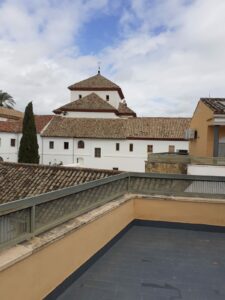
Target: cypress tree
[28,151]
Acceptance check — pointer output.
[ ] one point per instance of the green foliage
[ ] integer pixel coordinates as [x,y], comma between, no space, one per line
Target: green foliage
[28,151]
[6,100]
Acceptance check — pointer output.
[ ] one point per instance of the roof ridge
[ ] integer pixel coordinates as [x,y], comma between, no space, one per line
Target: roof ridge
[42,166]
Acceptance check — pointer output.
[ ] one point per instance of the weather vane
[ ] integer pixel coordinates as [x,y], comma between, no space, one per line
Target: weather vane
[99,67]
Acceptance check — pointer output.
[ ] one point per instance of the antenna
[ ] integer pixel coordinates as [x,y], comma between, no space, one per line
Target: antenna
[99,67]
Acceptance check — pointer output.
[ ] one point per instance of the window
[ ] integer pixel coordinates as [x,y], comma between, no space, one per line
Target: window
[51,145]
[115,169]
[131,147]
[150,148]
[107,97]
[97,152]
[80,145]
[171,148]
[80,96]
[66,145]
[13,142]
[117,146]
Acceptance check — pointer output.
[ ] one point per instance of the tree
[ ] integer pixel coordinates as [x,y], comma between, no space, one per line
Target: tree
[6,100]
[28,151]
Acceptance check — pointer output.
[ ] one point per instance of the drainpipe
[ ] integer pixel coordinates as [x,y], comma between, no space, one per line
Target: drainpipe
[216,140]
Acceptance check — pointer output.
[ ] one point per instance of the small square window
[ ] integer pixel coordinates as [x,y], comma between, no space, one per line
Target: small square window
[117,146]
[150,148]
[13,142]
[51,145]
[131,147]
[107,97]
[66,145]
[97,152]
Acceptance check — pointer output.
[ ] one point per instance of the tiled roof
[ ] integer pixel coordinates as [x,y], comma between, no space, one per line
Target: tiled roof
[125,110]
[25,180]
[91,102]
[217,105]
[96,83]
[94,103]
[10,113]
[137,128]
[16,126]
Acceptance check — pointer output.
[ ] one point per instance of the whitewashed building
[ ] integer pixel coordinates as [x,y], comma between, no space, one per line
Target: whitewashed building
[97,129]
[11,133]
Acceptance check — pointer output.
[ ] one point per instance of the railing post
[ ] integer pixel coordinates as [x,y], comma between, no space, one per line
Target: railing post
[128,183]
[32,219]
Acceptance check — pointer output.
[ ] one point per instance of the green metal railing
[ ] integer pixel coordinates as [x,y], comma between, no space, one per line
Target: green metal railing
[22,219]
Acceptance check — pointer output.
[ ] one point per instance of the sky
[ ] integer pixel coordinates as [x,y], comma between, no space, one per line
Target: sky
[164,54]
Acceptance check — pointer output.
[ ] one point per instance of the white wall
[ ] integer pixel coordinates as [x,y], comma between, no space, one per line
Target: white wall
[206,170]
[9,153]
[114,98]
[96,115]
[110,158]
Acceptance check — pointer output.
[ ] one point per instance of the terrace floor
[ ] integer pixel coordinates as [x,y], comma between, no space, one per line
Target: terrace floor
[156,263]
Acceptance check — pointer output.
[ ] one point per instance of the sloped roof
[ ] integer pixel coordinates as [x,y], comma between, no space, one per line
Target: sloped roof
[10,113]
[85,127]
[16,126]
[25,180]
[96,83]
[123,109]
[94,103]
[217,105]
[136,128]
[91,102]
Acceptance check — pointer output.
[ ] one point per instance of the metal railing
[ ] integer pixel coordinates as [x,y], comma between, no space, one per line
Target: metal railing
[22,219]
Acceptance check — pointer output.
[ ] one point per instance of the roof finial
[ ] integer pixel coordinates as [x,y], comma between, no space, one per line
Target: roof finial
[99,67]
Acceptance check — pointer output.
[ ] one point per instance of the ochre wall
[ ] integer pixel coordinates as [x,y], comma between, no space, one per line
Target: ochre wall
[37,275]
[180,211]
[203,145]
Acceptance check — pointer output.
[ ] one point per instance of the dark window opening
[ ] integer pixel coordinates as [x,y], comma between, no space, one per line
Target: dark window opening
[66,145]
[13,142]
[51,145]
[80,96]
[150,148]
[131,147]
[107,97]
[97,152]
[80,145]
[117,146]
[115,169]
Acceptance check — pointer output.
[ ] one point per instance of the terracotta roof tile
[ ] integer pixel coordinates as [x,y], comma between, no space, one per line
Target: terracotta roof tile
[139,128]
[96,83]
[25,180]
[91,102]
[217,105]
[10,113]
[16,126]
[125,110]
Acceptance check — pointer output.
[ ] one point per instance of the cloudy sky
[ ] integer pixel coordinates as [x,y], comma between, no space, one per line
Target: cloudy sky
[165,54]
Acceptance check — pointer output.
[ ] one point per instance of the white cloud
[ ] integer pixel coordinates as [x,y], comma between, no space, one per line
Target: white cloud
[172,52]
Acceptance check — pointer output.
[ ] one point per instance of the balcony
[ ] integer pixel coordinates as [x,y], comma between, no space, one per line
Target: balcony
[62,233]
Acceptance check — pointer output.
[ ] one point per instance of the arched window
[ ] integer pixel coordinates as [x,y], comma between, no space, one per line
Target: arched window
[80,144]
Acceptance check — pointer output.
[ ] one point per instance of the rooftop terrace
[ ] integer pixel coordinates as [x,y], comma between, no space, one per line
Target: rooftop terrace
[47,237]
[154,263]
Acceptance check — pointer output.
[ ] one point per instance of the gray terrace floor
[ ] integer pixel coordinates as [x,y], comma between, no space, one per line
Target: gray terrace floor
[156,263]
